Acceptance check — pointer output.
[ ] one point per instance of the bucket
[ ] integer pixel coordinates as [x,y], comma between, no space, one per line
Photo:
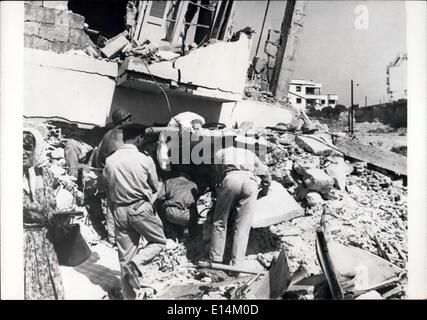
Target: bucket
[71,248]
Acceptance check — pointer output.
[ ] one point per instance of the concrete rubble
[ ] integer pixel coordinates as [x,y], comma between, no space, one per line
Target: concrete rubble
[363,208]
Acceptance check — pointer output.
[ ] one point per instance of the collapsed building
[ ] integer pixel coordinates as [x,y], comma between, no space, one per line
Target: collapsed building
[81,71]
[92,81]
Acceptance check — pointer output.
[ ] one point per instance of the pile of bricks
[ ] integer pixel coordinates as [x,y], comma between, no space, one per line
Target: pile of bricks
[50,26]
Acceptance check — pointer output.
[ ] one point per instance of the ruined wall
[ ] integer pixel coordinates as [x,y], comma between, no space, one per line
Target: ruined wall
[394,114]
[50,26]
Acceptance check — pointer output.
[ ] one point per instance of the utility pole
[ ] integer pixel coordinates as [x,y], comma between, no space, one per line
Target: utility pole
[350,123]
[366,101]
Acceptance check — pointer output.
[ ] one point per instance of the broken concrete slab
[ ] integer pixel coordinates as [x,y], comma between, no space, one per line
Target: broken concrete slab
[225,63]
[318,180]
[302,164]
[313,199]
[163,69]
[277,206]
[115,45]
[338,170]
[375,156]
[312,144]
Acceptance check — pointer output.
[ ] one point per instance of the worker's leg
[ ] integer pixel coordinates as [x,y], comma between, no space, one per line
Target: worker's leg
[72,154]
[147,223]
[194,228]
[178,220]
[96,215]
[127,241]
[245,209]
[109,219]
[226,196]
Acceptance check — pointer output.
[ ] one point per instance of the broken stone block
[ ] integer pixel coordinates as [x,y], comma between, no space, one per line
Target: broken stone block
[58,5]
[39,14]
[61,47]
[69,19]
[259,64]
[309,144]
[273,36]
[31,28]
[34,3]
[303,164]
[53,32]
[277,206]
[270,49]
[337,169]
[115,45]
[57,153]
[313,199]
[271,63]
[318,180]
[252,93]
[36,43]
[285,139]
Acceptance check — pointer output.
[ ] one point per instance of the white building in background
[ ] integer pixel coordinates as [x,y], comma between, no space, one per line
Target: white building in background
[397,70]
[306,93]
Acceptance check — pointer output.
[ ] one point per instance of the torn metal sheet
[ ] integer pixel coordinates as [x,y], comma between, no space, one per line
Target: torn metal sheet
[351,271]
[277,206]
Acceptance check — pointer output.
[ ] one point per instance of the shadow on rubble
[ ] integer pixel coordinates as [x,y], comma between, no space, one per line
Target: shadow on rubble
[107,279]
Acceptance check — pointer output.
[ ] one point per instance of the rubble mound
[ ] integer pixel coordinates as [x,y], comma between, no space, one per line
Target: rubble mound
[362,208]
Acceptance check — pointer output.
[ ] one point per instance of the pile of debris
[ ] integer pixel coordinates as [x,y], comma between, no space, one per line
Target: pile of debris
[361,207]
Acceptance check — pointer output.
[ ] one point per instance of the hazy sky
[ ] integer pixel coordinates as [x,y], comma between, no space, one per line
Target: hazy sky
[332,51]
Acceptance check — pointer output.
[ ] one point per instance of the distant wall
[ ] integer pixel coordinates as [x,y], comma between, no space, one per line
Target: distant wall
[393,114]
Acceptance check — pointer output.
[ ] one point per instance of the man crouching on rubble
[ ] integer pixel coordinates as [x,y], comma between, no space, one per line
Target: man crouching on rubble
[239,171]
[132,181]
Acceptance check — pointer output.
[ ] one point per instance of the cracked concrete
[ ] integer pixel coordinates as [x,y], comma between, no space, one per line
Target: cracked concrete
[220,66]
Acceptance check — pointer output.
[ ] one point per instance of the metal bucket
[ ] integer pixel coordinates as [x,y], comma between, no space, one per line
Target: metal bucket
[71,248]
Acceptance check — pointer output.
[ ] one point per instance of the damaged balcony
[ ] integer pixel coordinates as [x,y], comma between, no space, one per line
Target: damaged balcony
[216,72]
